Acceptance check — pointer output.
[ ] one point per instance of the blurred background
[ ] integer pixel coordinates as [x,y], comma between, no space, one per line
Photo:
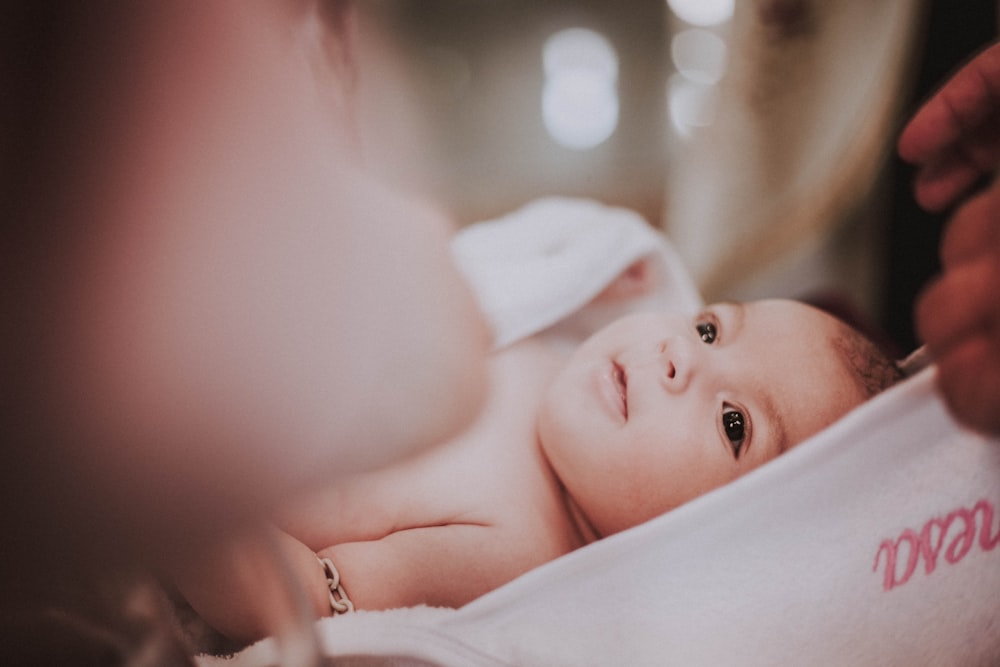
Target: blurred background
[758,134]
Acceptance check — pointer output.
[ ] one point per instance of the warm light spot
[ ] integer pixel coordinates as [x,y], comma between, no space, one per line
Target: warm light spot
[699,55]
[690,104]
[576,49]
[579,110]
[702,12]
[580,97]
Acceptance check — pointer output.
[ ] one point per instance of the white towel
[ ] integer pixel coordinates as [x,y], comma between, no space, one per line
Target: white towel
[545,261]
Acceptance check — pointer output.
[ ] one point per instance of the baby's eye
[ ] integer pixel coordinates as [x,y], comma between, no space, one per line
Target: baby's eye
[734,424]
[707,332]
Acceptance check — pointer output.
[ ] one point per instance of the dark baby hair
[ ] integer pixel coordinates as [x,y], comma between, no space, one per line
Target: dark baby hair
[872,368]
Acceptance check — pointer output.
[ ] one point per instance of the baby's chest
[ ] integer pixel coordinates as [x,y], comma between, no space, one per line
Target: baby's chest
[474,483]
[515,507]
[492,475]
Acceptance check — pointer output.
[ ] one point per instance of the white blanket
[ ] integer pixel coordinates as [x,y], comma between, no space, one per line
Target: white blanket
[541,264]
[874,543]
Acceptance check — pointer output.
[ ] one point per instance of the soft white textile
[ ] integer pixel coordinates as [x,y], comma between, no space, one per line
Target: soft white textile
[543,262]
[873,543]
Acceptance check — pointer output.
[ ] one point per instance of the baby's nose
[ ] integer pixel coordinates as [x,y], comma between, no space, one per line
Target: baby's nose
[677,358]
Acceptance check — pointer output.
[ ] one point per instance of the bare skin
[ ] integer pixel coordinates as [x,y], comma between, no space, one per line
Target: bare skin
[440,528]
[954,140]
[567,451]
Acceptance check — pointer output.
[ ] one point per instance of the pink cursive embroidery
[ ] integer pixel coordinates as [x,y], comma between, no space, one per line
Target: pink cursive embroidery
[951,536]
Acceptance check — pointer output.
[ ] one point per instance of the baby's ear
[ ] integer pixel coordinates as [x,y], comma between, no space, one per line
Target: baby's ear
[635,281]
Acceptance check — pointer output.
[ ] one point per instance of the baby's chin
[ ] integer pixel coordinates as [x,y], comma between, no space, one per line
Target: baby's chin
[583,524]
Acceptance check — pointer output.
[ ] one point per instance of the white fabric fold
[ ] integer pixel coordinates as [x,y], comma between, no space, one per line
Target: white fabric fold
[536,266]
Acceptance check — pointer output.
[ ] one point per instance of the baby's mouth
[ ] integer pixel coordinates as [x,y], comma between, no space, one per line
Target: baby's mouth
[621,384]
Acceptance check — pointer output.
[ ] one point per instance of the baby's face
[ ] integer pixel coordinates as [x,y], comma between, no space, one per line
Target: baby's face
[658,408]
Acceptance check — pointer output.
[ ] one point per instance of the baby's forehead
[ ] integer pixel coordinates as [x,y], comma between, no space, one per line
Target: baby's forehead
[800,355]
[792,309]
[780,331]
[782,317]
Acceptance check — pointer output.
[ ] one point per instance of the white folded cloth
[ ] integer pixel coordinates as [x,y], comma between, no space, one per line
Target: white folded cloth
[545,261]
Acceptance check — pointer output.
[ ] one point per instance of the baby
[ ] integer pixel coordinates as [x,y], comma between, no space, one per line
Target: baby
[650,412]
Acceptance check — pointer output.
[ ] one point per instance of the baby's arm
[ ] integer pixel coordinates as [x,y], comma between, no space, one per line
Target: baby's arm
[446,565]
[238,589]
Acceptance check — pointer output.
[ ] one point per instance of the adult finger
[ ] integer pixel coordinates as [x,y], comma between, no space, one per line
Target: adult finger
[940,183]
[932,130]
[969,379]
[961,302]
[974,229]
[959,107]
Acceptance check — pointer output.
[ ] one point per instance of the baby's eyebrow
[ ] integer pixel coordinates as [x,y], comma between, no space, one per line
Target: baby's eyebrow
[778,427]
[774,420]
[734,317]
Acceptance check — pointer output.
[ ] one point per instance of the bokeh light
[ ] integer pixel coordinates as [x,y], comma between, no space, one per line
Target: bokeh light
[580,96]
[702,13]
[699,55]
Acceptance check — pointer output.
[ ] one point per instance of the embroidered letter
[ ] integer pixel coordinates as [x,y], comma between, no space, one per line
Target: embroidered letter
[985,541]
[892,550]
[937,533]
[962,542]
[930,546]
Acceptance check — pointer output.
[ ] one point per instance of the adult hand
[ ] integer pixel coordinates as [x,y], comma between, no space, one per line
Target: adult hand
[954,140]
[958,316]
